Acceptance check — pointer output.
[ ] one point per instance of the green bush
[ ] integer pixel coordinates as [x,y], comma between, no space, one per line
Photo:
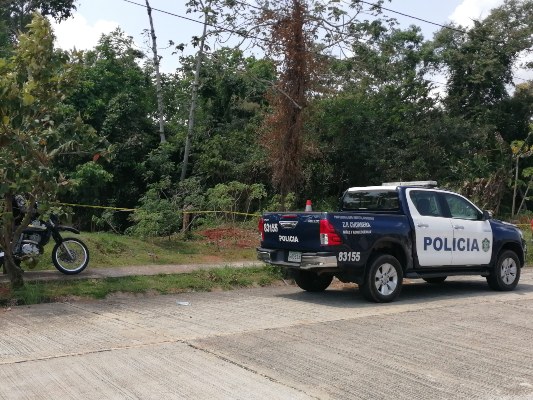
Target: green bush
[161,209]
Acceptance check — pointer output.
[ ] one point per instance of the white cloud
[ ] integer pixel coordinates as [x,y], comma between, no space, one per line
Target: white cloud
[469,10]
[522,73]
[77,33]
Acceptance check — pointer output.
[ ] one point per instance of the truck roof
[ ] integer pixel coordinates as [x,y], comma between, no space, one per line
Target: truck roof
[362,188]
[391,186]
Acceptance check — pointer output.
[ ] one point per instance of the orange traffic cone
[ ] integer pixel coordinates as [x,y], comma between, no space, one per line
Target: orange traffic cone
[308,206]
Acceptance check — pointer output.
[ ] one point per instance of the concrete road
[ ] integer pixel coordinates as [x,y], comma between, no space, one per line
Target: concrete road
[458,340]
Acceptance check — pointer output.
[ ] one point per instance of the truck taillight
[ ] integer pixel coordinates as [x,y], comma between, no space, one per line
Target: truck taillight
[261,227]
[328,235]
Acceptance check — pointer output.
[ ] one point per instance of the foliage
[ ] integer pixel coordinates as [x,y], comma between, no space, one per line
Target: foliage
[235,198]
[296,35]
[226,278]
[116,97]
[338,99]
[276,203]
[16,15]
[88,181]
[479,64]
[231,99]
[282,129]
[35,125]
[161,210]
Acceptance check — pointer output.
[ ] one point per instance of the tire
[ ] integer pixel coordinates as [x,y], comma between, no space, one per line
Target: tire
[435,280]
[506,273]
[311,281]
[384,279]
[62,260]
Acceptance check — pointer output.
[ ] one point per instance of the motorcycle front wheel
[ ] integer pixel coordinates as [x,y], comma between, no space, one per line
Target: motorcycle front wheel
[71,256]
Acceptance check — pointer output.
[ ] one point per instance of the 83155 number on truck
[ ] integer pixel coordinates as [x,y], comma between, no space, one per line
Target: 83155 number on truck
[383,234]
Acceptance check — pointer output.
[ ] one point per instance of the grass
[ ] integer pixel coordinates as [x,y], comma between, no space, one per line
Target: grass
[198,281]
[217,245]
[112,250]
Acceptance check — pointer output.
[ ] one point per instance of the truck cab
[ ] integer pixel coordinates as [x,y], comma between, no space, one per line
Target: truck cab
[383,234]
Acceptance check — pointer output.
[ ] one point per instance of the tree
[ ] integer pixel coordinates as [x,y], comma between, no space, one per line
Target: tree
[297,35]
[283,127]
[15,15]
[159,93]
[520,149]
[232,102]
[35,127]
[117,98]
[206,9]
[479,63]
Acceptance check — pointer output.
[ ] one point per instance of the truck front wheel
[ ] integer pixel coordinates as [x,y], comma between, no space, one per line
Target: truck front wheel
[506,273]
[311,281]
[384,279]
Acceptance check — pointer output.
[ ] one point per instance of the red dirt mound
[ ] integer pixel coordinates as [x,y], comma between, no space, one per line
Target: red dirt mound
[232,237]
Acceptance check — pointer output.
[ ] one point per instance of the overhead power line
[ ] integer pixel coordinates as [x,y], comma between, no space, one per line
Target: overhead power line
[248,36]
[413,17]
[452,28]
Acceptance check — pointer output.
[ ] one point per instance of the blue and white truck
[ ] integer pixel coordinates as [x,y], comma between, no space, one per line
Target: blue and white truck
[383,234]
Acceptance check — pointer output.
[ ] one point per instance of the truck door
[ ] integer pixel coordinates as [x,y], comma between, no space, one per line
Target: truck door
[472,236]
[433,229]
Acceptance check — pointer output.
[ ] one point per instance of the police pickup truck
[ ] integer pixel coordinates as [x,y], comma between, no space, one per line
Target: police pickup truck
[383,234]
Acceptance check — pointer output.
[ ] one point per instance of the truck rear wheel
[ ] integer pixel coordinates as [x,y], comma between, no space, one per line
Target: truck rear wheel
[311,281]
[383,281]
[506,273]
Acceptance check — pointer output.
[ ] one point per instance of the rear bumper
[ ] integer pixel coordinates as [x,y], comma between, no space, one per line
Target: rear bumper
[309,260]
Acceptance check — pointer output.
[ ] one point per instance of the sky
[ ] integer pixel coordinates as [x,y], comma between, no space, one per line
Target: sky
[95,17]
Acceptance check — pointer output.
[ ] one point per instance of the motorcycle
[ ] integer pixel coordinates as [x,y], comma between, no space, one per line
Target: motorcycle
[70,255]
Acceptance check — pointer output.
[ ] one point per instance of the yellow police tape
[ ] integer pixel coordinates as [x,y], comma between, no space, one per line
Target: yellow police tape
[183,212]
[521,226]
[101,207]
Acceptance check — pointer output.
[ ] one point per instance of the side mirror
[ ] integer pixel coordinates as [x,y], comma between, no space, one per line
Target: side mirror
[487,215]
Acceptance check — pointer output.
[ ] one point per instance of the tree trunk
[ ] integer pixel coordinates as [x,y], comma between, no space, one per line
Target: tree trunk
[515,186]
[7,234]
[14,272]
[524,198]
[283,128]
[194,99]
[159,92]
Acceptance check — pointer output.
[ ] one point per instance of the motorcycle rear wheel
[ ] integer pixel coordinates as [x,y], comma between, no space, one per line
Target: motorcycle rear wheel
[70,256]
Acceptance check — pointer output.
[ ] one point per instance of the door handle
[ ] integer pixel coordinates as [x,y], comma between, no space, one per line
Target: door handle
[458,227]
[423,225]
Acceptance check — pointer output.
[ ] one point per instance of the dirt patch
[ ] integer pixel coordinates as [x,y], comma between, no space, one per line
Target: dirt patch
[5,291]
[230,237]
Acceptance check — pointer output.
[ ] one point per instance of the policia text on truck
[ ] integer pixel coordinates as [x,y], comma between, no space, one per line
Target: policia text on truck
[385,233]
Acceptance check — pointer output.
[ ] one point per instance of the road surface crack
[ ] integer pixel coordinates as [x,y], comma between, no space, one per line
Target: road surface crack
[247,368]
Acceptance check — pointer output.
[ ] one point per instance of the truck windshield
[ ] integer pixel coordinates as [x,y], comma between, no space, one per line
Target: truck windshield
[371,200]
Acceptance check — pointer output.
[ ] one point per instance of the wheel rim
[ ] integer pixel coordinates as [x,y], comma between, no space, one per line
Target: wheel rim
[386,279]
[508,270]
[75,260]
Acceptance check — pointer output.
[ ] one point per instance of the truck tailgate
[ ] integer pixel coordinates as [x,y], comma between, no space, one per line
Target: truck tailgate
[294,231]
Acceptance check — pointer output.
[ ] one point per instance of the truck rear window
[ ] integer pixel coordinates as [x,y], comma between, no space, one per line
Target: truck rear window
[372,200]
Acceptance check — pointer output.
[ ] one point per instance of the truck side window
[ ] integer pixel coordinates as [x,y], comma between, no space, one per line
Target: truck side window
[371,200]
[426,203]
[462,209]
